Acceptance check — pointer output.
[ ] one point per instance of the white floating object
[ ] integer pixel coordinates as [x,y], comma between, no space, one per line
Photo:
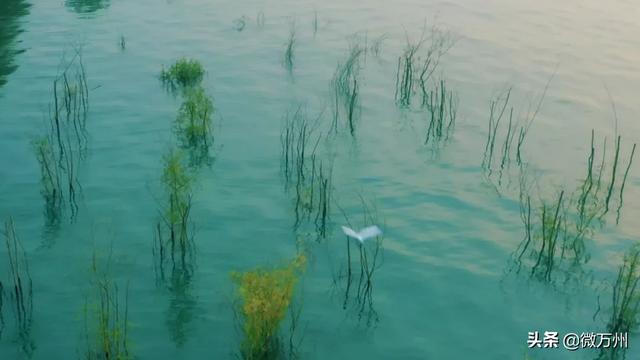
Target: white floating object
[364,234]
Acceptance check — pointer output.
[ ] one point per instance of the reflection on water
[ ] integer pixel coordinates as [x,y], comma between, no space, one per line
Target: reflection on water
[182,306]
[87,6]
[10,12]
[19,294]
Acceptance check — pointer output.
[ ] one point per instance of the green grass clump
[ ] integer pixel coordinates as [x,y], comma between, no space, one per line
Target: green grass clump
[266,295]
[106,320]
[194,118]
[183,73]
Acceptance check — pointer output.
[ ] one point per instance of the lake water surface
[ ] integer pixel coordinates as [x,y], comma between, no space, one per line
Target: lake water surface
[447,287]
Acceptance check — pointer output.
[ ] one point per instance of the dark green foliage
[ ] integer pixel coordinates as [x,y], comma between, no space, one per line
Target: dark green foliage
[11,25]
[87,6]
[182,74]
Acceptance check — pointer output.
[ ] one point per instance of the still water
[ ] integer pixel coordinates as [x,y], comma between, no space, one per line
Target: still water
[446,287]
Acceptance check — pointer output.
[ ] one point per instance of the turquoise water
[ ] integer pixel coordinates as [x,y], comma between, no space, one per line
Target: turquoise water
[444,290]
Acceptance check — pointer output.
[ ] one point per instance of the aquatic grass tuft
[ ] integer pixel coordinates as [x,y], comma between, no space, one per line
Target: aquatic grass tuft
[106,319]
[556,234]
[507,133]
[595,193]
[19,288]
[264,296]
[497,108]
[182,74]
[173,241]
[346,89]
[60,151]
[298,144]
[551,226]
[626,295]
[550,251]
[305,173]
[625,305]
[442,106]
[413,70]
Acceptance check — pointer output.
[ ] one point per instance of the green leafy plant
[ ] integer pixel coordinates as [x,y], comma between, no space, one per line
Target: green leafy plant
[173,239]
[182,74]
[265,296]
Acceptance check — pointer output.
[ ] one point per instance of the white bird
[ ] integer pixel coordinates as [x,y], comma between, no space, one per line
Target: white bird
[363,234]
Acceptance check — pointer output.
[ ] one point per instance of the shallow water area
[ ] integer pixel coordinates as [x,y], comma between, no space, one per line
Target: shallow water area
[446,286]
